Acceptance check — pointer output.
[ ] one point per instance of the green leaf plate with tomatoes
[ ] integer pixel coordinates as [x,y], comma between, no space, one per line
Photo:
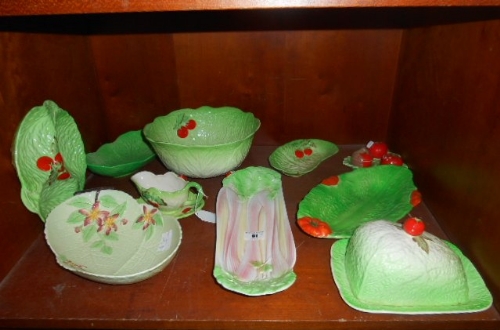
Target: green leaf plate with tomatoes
[48,149]
[337,206]
[299,157]
[480,297]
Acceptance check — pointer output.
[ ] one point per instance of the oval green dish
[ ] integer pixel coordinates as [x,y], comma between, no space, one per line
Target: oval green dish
[48,152]
[337,206]
[204,142]
[128,153]
[299,157]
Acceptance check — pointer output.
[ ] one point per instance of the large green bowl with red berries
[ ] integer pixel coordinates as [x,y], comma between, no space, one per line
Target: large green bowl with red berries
[204,142]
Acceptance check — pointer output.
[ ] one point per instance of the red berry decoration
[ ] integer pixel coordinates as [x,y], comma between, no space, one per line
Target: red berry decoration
[331,181]
[183,132]
[392,159]
[308,151]
[416,198]
[59,158]
[44,163]
[377,149]
[414,226]
[191,124]
[63,176]
[362,158]
[299,153]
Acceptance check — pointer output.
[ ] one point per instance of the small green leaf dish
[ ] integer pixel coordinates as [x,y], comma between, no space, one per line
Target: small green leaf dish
[108,237]
[299,157]
[204,142]
[128,153]
[337,206]
[48,152]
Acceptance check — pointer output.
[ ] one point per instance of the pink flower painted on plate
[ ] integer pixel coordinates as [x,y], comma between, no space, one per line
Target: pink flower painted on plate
[108,223]
[95,215]
[147,218]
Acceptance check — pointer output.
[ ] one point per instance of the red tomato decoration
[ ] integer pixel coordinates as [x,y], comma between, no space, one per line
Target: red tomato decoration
[391,159]
[331,181]
[315,227]
[414,226]
[64,176]
[59,158]
[377,149]
[44,163]
[308,151]
[191,124]
[416,198]
[183,132]
[362,158]
[299,153]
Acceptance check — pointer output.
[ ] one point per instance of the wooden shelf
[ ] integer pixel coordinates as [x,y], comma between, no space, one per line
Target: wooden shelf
[51,7]
[39,294]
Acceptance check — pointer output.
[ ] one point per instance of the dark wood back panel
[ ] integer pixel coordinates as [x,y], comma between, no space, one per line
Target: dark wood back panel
[446,121]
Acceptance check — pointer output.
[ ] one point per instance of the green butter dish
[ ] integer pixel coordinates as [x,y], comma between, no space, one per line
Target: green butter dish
[49,157]
[128,153]
[383,269]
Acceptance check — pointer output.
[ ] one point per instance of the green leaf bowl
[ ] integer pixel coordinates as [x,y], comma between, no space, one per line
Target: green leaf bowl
[337,206]
[204,142]
[299,157]
[48,152]
[128,153]
[106,236]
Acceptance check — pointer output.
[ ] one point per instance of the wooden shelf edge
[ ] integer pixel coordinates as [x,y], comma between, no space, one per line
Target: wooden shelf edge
[57,7]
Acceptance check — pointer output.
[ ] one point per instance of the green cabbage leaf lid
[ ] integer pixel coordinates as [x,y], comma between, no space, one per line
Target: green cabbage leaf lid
[337,206]
[299,157]
[49,157]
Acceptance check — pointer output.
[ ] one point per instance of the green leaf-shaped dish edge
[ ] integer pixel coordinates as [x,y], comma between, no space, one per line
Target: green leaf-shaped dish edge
[286,161]
[129,152]
[45,131]
[381,192]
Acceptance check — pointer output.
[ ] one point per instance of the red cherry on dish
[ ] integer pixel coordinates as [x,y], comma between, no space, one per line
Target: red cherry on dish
[299,153]
[377,149]
[183,132]
[391,159]
[44,163]
[414,226]
[308,151]
[191,124]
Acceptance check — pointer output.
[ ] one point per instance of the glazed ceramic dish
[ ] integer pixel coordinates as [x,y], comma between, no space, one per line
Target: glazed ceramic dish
[480,298]
[299,157]
[172,194]
[49,157]
[107,237]
[204,142]
[128,153]
[338,205]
